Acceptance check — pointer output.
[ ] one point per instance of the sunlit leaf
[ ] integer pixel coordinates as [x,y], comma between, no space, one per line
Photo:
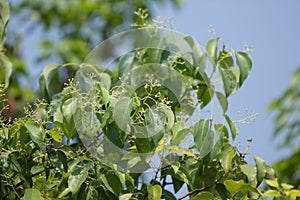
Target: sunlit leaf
[226,157]
[233,186]
[31,194]
[272,183]
[154,192]
[271,193]
[244,62]
[261,169]
[125,196]
[250,171]
[212,50]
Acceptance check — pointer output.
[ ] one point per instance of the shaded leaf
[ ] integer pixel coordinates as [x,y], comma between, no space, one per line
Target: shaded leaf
[76,178]
[231,126]
[112,183]
[223,101]
[7,65]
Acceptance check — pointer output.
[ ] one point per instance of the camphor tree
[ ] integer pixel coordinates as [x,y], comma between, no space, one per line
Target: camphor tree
[132,125]
[63,31]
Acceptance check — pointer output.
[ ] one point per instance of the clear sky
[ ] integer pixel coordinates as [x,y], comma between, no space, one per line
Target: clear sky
[272,28]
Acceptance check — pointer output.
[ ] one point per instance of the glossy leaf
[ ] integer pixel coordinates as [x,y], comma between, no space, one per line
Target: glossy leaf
[36,133]
[226,157]
[201,130]
[229,77]
[233,186]
[271,193]
[272,183]
[204,95]
[112,183]
[250,172]
[244,62]
[225,59]
[154,192]
[212,50]
[261,169]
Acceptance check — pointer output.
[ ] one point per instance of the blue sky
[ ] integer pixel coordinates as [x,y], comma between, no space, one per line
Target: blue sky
[272,28]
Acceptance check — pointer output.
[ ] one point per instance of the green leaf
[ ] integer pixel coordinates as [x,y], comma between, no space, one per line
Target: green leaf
[76,178]
[55,134]
[226,156]
[204,94]
[63,159]
[154,192]
[203,136]
[294,193]
[122,110]
[223,101]
[69,111]
[112,183]
[203,196]
[250,171]
[46,78]
[170,117]
[4,17]
[36,133]
[168,195]
[229,78]
[286,186]
[7,65]
[233,186]
[271,193]
[261,169]
[225,59]
[272,183]
[212,50]
[31,194]
[125,196]
[244,62]
[232,127]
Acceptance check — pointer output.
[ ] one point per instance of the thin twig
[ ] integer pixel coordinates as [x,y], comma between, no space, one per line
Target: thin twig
[194,191]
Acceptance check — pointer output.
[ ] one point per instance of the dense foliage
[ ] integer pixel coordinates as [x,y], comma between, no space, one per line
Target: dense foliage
[100,136]
[63,31]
